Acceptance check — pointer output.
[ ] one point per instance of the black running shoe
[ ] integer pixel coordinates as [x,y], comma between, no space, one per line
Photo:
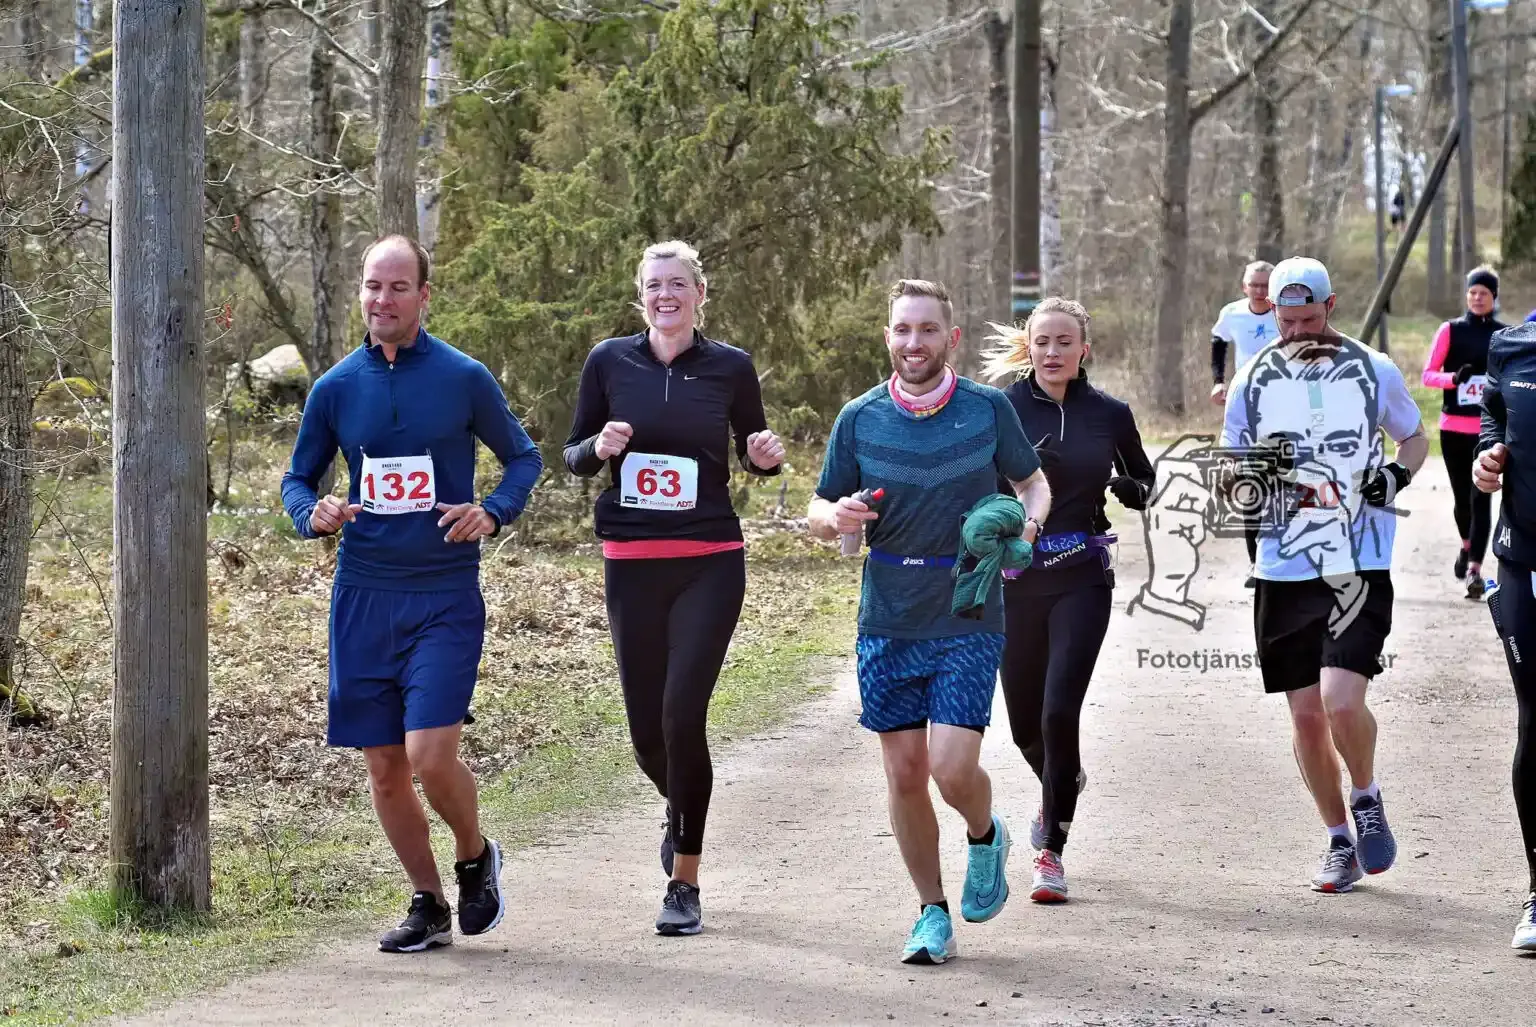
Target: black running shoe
[481,905]
[1474,585]
[1461,565]
[666,843]
[428,923]
[680,910]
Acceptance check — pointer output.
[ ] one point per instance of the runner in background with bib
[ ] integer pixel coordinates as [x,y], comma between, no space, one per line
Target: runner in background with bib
[1458,364]
[407,618]
[658,409]
[1247,325]
[1057,610]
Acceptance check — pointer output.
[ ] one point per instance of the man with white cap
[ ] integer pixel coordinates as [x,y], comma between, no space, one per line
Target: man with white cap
[1310,409]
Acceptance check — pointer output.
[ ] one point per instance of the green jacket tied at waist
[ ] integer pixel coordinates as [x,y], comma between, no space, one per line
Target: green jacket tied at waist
[991,541]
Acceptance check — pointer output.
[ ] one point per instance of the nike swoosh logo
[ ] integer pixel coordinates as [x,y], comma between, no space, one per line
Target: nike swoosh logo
[960,424]
[689,378]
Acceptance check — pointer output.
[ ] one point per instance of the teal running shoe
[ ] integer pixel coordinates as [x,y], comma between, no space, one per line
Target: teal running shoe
[933,938]
[986,885]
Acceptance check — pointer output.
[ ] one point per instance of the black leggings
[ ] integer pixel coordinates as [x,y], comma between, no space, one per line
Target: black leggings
[1513,608]
[1052,645]
[1473,506]
[672,621]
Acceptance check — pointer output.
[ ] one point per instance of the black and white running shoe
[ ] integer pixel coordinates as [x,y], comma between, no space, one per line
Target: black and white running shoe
[481,905]
[428,923]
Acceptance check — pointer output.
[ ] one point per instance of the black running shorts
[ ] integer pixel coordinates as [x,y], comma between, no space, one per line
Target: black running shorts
[1304,626]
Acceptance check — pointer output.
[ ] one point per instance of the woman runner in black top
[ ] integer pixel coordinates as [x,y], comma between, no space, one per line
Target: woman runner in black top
[658,409]
[1057,611]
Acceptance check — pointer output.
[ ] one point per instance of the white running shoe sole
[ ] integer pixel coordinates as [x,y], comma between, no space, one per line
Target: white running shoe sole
[1525,939]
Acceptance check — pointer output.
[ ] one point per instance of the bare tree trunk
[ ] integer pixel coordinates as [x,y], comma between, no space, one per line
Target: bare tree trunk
[435,134]
[1000,185]
[1439,112]
[325,213]
[1168,376]
[1050,189]
[399,89]
[1268,197]
[84,23]
[32,41]
[159,767]
[253,88]
[15,482]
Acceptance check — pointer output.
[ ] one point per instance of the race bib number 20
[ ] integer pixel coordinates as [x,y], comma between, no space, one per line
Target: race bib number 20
[652,481]
[398,485]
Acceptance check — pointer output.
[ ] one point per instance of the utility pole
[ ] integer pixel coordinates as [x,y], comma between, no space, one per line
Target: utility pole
[1381,203]
[1467,237]
[1026,157]
[159,769]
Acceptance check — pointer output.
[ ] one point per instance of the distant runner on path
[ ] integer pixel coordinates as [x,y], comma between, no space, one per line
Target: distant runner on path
[929,647]
[1313,407]
[1458,365]
[658,409]
[407,617]
[1248,325]
[1507,460]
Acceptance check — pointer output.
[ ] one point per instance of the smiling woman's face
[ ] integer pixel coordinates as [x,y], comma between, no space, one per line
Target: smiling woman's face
[669,293]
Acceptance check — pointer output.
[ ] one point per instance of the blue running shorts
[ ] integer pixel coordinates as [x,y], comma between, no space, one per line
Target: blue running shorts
[400,661]
[905,683]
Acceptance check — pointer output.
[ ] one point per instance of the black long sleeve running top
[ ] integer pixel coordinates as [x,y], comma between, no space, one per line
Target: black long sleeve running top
[683,417]
[1084,442]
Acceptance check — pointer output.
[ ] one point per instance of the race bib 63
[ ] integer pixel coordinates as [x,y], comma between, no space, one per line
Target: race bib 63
[653,481]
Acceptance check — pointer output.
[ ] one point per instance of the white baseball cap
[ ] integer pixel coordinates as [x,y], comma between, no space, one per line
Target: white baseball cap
[1297,281]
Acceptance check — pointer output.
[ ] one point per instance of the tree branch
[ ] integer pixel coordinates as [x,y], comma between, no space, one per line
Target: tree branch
[1264,56]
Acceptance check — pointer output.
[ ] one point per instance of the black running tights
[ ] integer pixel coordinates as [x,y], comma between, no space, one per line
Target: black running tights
[1472,505]
[672,621]
[1052,645]
[1514,617]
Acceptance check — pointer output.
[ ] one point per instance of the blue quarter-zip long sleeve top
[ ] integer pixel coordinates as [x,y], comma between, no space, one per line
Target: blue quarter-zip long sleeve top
[433,400]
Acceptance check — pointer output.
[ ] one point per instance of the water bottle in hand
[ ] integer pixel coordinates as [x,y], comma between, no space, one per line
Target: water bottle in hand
[849,545]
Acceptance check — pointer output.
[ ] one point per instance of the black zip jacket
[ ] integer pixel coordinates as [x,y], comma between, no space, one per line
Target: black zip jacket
[1509,416]
[1084,442]
[689,409]
[1469,335]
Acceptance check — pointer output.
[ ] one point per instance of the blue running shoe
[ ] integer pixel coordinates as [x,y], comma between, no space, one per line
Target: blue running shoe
[986,886]
[1378,849]
[933,938]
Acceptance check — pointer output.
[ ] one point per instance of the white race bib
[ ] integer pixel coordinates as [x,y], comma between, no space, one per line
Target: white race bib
[398,485]
[652,481]
[1470,392]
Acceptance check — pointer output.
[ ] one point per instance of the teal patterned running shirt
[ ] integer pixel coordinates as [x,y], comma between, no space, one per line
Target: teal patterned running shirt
[933,470]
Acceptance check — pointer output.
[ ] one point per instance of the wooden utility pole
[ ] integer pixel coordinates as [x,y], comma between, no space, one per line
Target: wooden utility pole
[1000,301]
[159,791]
[1026,157]
[1466,238]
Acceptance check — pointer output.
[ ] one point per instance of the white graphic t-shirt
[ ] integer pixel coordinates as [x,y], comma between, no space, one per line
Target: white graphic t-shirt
[1245,331]
[1332,412]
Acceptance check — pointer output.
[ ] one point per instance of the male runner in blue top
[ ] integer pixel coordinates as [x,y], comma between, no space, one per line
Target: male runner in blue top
[407,617]
[935,443]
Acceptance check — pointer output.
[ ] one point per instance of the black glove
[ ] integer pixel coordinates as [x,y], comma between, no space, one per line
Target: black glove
[1389,481]
[1462,374]
[1128,491]
[1049,456]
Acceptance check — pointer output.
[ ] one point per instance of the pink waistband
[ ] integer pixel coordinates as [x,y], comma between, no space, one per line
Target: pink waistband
[665,548]
[1462,424]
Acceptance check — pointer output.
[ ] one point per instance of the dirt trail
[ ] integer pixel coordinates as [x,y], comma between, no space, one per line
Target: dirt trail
[1188,865]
